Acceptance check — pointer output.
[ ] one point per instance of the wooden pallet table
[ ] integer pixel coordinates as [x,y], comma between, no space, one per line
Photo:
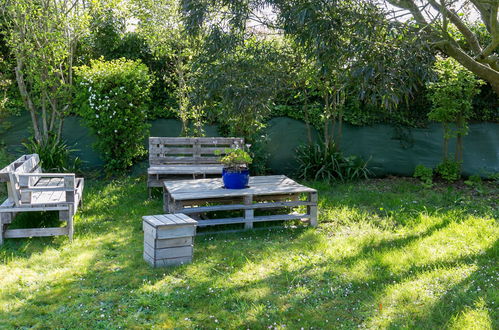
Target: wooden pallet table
[263,193]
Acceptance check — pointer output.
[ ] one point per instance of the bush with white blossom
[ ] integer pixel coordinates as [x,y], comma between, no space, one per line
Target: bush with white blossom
[113,97]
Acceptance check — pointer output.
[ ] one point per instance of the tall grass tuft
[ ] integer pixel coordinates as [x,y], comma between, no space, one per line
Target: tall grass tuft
[321,163]
[55,155]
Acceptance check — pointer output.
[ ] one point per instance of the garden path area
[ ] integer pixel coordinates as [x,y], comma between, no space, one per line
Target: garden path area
[387,254]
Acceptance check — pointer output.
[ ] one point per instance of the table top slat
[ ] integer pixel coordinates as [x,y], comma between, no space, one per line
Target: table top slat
[213,188]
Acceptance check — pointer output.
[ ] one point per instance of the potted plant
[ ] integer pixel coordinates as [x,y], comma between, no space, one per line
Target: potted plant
[235,174]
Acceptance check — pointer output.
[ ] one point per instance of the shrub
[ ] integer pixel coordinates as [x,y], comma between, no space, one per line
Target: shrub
[474,181]
[55,155]
[316,162]
[115,95]
[425,174]
[449,170]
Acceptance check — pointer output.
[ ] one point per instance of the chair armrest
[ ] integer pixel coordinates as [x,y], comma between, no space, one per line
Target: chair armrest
[50,175]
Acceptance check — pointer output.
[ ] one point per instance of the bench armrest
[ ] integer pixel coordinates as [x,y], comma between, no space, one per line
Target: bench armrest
[50,175]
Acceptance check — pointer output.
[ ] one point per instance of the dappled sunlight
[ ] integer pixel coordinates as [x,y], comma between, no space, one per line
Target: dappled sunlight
[456,240]
[474,317]
[415,296]
[335,275]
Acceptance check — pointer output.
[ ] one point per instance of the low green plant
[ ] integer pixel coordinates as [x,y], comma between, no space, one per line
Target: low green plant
[493,177]
[318,162]
[473,180]
[425,174]
[235,159]
[114,96]
[449,170]
[55,155]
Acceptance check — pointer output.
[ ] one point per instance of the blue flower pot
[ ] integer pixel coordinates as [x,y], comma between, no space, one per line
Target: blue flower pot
[235,180]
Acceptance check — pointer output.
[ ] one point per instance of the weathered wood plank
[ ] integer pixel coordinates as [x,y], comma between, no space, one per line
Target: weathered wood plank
[166,262]
[227,221]
[176,231]
[254,191]
[201,140]
[168,253]
[231,207]
[42,208]
[35,232]
[312,209]
[248,213]
[168,242]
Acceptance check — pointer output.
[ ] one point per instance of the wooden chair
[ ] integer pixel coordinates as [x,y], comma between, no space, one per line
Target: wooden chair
[186,156]
[31,190]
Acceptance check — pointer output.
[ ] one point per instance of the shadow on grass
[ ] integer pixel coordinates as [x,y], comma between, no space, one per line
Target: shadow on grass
[114,287]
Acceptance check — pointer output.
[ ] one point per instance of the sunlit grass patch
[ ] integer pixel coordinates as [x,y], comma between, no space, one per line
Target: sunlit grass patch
[387,254]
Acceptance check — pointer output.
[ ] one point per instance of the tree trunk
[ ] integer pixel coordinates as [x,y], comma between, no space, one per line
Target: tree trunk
[446,141]
[28,103]
[181,95]
[307,123]
[459,138]
[327,138]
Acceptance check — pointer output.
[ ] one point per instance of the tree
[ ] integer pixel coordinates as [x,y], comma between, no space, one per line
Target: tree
[161,25]
[450,26]
[238,84]
[353,50]
[42,36]
[452,96]
[4,83]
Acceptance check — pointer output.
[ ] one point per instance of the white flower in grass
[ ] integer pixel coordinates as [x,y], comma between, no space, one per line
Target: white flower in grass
[96,116]
[115,131]
[131,104]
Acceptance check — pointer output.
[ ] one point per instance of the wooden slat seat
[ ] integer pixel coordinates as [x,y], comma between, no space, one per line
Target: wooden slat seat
[185,169]
[31,190]
[196,157]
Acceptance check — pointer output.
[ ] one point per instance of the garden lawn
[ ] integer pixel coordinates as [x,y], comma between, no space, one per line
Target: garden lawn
[387,254]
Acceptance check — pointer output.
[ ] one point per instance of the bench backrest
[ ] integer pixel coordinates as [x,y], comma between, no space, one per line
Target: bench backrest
[10,175]
[191,151]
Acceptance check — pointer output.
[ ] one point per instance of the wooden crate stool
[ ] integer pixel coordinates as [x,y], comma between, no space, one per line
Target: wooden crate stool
[168,239]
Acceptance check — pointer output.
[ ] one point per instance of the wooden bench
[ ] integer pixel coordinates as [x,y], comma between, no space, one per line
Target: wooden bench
[31,190]
[186,156]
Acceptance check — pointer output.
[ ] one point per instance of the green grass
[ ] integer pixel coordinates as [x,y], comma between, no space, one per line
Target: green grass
[387,254]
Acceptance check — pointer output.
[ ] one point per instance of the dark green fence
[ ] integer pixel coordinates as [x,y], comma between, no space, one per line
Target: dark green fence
[390,150]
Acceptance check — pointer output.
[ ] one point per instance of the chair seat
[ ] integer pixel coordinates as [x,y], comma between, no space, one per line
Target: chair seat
[185,169]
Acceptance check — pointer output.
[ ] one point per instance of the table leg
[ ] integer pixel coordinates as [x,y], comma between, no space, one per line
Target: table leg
[312,209]
[166,201]
[249,213]
[1,228]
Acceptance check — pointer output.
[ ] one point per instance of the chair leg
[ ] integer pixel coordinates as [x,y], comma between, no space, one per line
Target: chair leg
[5,219]
[68,217]
[71,223]
[149,192]
[1,229]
